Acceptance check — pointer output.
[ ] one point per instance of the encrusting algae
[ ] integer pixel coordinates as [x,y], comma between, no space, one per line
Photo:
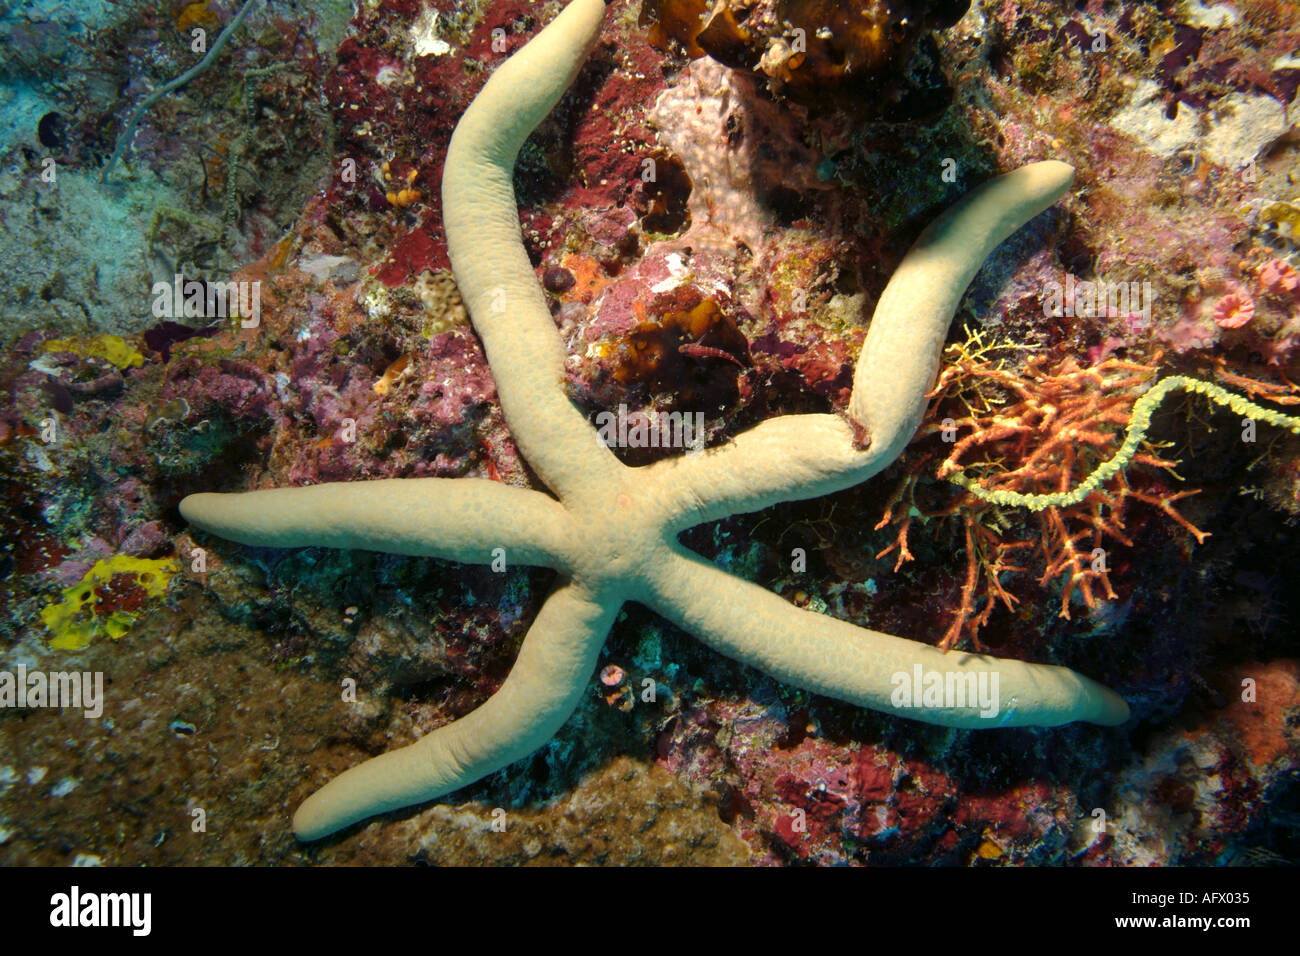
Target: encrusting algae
[107,600]
[111,348]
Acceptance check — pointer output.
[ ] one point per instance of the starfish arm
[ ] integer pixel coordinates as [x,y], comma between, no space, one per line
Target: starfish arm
[457,519]
[492,269]
[805,456]
[782,459]
[901,353]
[553,670]
[863,667]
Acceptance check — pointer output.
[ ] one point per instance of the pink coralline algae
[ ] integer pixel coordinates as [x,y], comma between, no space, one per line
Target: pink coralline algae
[1234,310]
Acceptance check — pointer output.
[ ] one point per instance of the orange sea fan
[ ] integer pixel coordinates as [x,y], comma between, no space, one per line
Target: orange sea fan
[1035,429]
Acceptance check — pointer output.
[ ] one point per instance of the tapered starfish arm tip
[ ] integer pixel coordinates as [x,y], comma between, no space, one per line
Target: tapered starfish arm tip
[807,456]
[867,668]
[900,356]
[456,519]
[537,697]
[493,273]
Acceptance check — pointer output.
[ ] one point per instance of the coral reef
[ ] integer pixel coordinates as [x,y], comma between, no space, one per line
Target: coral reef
[215,169]
[788,211]
[815,52]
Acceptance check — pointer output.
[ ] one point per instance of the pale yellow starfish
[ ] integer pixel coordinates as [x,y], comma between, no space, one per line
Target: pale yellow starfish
[612,533]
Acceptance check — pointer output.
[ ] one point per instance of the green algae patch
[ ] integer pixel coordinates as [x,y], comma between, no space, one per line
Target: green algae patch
[111,348]
[107,600]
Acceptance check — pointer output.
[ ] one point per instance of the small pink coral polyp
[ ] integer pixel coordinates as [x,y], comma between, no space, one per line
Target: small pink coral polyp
[1278,277]
[1234,310]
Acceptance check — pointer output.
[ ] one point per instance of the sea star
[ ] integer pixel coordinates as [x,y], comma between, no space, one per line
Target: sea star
[612,533]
